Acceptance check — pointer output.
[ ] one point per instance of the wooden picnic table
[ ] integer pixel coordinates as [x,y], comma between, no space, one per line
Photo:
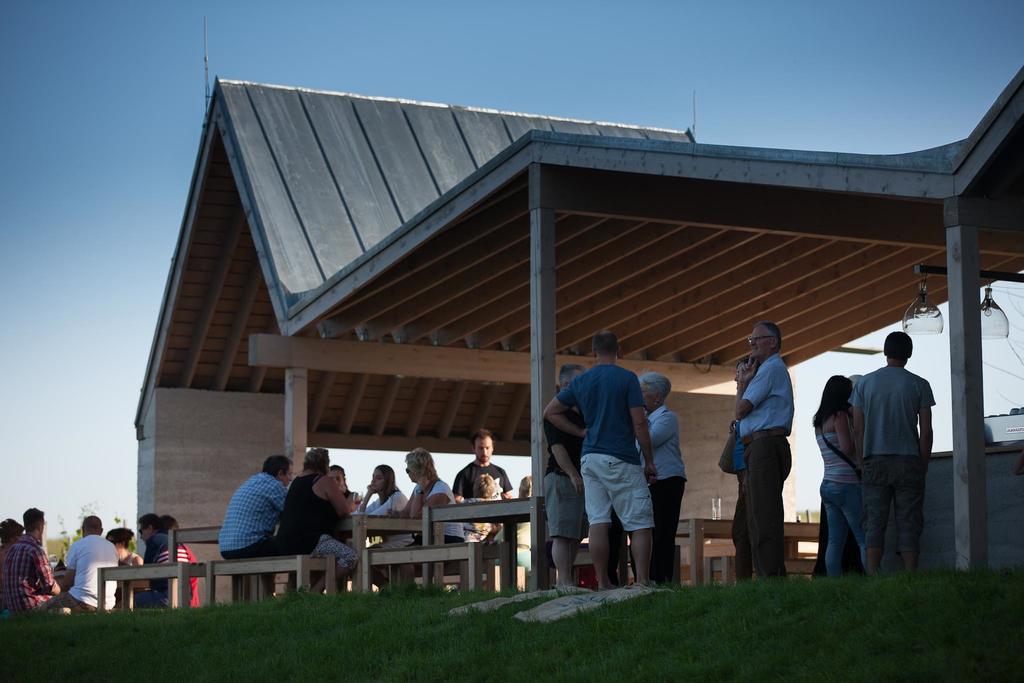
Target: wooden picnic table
[696,531]
[364,526]
[509,512]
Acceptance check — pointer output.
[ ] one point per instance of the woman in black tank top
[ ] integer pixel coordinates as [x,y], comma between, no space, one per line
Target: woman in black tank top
[312,507]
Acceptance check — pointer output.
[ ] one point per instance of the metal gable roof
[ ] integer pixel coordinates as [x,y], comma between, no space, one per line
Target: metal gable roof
[329,175]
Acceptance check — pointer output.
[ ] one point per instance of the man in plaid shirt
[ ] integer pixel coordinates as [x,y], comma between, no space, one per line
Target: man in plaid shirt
[248,529]
[28,579]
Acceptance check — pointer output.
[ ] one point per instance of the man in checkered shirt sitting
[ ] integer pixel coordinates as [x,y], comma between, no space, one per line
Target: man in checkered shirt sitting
[248,529]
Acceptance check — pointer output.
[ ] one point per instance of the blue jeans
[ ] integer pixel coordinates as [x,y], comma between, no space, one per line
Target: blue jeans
[844,510]
[149,599]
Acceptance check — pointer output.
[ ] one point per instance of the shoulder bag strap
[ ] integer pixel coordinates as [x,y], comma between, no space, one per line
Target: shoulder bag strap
[842,456]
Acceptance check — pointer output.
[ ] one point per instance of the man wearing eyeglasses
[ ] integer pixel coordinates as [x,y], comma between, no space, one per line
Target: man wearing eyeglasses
[764,407]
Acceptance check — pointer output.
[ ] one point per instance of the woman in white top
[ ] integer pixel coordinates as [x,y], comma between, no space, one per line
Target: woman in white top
[389,501]
[840,486]
[430,492]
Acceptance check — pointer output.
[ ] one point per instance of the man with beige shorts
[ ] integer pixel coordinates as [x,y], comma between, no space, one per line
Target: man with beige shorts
[612,405]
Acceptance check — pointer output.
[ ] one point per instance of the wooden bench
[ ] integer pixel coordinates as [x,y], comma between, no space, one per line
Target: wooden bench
[471,556]
[198,534]
[298,567]
[176,573]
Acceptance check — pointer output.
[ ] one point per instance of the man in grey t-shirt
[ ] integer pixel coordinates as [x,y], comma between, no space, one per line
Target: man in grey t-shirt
[889,405]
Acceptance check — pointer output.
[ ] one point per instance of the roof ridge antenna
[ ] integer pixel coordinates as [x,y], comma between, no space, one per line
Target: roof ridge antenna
[693,129]
[206,66]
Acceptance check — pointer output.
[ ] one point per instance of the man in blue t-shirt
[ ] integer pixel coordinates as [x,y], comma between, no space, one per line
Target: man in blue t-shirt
[612,405]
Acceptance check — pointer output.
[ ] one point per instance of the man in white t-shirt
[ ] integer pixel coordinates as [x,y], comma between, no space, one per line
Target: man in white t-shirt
[85,557]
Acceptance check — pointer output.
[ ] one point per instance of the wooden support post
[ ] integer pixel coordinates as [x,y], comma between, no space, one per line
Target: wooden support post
[296,405]
[970,508]
[542,360]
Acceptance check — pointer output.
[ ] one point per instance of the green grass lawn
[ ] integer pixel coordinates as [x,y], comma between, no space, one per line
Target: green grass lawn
[937,626]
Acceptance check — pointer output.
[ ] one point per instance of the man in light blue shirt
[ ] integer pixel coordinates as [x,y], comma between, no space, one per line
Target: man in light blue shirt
[252,514]
[764,407]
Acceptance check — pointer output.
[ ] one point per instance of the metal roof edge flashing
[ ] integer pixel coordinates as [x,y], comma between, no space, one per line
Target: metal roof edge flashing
[989,118]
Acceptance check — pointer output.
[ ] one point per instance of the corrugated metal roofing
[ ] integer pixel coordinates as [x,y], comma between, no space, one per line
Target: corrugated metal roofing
[329,175]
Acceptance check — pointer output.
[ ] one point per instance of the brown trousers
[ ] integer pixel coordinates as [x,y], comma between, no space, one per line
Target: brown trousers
[769,461]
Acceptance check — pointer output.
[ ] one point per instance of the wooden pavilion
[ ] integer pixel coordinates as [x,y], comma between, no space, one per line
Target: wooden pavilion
[369,273]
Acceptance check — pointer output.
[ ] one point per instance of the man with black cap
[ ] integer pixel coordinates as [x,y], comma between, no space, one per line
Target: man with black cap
[889,405]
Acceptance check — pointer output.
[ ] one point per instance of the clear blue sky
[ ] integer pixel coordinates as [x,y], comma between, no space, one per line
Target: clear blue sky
[103,105]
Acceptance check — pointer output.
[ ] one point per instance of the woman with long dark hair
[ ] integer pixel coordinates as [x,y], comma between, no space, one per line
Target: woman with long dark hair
[840,486]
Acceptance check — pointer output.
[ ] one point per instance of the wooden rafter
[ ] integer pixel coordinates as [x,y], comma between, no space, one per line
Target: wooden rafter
[424,388]
[836,304]
[213,292]
[352,401]
[709,307]
[444,427]
[520,397]
[878,312]
[573,247]
[648,298]
[483,407]
[480,298]
[387,402]
[238,325]
[323,392]
[865,266]
[479,243]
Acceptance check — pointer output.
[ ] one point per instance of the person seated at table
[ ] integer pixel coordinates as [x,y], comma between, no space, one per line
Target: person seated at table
[253,512]
[312,508]
[484,488]
[389,499]
[121,538]
[430,492]
[337,472]
[10,530]
[483,447]
[28,577]
[80,584]
[184,554]
[153,534]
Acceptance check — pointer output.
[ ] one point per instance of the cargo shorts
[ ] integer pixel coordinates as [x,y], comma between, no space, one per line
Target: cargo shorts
[894,481]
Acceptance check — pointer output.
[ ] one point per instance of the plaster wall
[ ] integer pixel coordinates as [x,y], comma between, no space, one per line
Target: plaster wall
[198,446]
[703,427]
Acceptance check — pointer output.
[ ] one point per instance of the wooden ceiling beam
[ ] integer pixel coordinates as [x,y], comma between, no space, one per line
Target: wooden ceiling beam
[726,253]
[451,409]
[515,411]
[387,402]
[618,263]
[474,307]
[238,326]
[352,401]
[710,307]
[202,326]
[424,388]
[864,268]
[803,212]
[366,442]
[323,392]
[476,365]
